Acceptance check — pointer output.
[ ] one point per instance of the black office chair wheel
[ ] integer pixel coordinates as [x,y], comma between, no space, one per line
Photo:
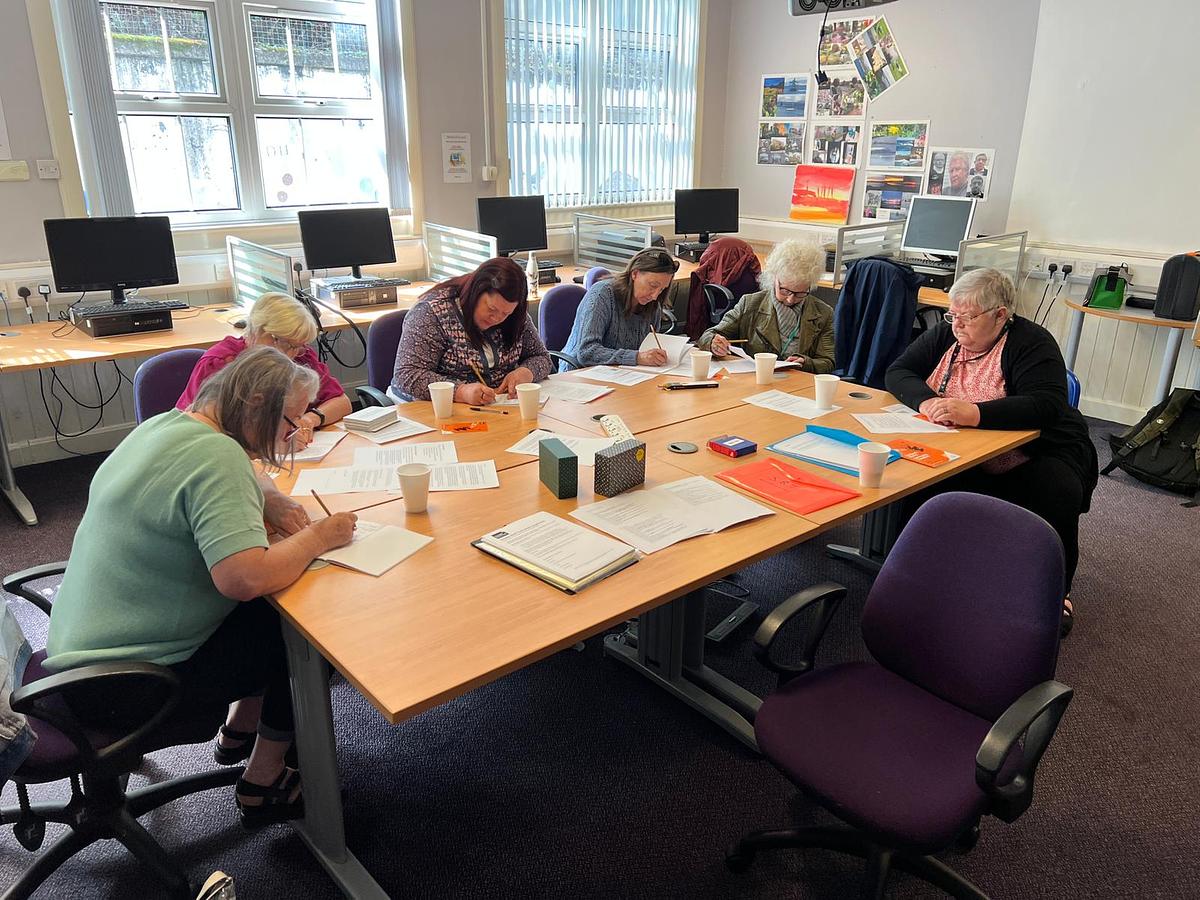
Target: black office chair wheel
[738,860]
[967,840]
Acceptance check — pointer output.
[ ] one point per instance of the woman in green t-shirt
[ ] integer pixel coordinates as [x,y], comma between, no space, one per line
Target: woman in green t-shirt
[171,563]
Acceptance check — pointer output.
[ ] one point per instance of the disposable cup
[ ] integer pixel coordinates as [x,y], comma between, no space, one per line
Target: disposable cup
[700,360]
[764,367]
[826,389]
[872,457]
[414,485]
[528,396]
[442,395]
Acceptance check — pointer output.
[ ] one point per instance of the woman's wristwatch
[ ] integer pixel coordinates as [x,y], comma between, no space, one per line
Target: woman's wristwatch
[320,415]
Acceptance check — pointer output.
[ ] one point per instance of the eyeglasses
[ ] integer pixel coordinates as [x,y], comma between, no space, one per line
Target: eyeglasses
[951,318]
[285,345]
[788,293]
[660,258]
[292,429]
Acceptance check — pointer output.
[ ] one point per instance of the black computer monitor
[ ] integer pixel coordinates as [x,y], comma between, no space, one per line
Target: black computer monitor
[704,210]
[517,223]
[336,238]
[937,224]
[111,254]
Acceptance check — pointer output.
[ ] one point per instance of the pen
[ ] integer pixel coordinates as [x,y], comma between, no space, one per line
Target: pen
[498,412]
[322,502]
[689,385]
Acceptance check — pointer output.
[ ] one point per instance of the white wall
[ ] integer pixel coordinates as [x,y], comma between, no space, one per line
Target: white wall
[23,204]
[1112,131]
[969,64]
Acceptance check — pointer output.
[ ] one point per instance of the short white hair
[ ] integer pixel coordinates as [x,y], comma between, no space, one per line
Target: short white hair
[793,261]
[283,317]
[986,288]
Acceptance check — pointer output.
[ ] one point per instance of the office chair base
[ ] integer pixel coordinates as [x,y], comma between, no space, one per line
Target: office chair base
[106,812]
[880,860]
[880,528]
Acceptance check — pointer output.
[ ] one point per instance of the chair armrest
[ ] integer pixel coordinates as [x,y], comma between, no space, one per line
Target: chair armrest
[15,583]
[825,597]
[31,700]
[373,397]
[571,361]
[1035,716]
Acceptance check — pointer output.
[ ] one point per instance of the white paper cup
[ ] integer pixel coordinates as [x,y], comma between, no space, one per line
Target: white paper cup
[764,367]
[442,395]
[700,360]
[826,389]
[528,397]
[414,485]
[872,457]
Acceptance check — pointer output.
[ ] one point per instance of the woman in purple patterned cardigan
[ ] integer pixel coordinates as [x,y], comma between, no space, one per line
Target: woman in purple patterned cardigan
[480,318]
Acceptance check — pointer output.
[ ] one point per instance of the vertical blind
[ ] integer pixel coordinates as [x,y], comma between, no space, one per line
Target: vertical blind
[601,98]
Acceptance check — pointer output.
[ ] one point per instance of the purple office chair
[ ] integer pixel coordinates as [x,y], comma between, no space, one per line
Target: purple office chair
[556,315]
[160,380]
[594,274]
[97,761]
[383,337]
[913,749]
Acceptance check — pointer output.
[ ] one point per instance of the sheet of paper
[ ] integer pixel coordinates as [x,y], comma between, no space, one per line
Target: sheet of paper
[564,548]
[898,423]
[899,408]
[377,548]
[716,504]
[511,399]
[583,447]
[434,453]
[472,476]
[573,391]
[615,375]
[322,443]
[346,480]
[816,446]
[791,404]
[401,429]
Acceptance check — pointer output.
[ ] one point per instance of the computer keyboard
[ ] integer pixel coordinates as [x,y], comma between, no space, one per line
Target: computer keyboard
[351,282]
[944,265]
[550,264]
[126,308]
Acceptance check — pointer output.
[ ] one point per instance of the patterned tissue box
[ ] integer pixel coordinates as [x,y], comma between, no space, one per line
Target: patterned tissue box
[620,467]
[558,468]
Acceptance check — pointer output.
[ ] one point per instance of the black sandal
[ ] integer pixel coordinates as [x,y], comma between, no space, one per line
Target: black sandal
[228,756]
[277,803]
[1068,618]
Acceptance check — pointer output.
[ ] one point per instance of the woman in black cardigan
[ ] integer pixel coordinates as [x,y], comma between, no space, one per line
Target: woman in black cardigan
[987,368]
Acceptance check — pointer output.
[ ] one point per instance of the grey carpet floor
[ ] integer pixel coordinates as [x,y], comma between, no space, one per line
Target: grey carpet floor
[575,777]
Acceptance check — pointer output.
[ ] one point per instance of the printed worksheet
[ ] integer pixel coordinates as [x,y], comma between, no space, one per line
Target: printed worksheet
[346,480]
[583,447]
[472,476]
[573,391]
[790,404]
[402,428]
[616,375]
[434,453]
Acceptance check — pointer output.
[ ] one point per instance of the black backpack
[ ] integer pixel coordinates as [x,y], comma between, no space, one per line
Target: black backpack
[1164,448]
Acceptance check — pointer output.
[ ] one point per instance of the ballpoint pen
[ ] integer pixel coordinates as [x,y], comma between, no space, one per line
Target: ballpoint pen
[498,412]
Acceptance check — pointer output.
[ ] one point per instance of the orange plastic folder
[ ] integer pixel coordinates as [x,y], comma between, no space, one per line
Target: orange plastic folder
[786,486]
[920,453]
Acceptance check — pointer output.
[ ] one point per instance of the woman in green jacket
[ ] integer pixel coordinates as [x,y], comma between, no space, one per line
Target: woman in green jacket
[783,318]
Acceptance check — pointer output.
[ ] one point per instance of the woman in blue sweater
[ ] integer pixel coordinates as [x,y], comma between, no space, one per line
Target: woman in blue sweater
[615,316]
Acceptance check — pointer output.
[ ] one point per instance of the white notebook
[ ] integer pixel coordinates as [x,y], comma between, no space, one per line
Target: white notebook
[376,548]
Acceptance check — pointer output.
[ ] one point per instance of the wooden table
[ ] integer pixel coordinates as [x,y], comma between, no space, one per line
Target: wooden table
[451,618]
[1166,372]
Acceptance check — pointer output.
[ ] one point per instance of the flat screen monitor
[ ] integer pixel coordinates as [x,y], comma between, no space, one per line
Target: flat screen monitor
[937,224]
[114,254]
[704,210]
[336,238]
[517,223]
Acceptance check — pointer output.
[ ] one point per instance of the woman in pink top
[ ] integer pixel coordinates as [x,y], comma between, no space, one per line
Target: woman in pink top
[279,321]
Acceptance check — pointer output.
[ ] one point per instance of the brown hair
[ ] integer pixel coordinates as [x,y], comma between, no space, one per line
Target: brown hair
[248,395]
[502,276]
[653,260]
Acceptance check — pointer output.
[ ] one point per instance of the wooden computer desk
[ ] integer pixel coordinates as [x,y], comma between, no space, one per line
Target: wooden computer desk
[451,618]
[1178,327]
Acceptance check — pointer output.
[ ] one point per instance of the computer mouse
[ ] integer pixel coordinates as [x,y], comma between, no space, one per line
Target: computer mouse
[238,323]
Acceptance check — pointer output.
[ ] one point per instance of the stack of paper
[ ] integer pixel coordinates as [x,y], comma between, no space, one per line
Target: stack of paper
[583,447]
[573,391]
[791,404]
[372,418]
[616,375]
[658,517]
[898,423]
[376,548]
[399,429]
[559,552]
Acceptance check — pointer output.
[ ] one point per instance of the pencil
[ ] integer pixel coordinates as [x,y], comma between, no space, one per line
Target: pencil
[478,374]
[655,333]
[739,341]
[498,412]
[322,502]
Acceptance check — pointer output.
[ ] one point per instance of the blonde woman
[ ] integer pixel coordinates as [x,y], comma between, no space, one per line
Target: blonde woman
[783,318]
[279,321]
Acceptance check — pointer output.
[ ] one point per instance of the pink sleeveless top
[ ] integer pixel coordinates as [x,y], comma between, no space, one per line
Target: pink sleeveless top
[977,378]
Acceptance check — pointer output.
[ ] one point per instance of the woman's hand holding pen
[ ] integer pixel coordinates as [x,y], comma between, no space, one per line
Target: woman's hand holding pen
[655,357]
[335,530]
[474,394]
[720,345]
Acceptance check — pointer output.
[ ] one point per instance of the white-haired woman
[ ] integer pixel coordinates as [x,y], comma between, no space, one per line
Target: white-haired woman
[283,322]
[985,367]
[171,563]
[783,318]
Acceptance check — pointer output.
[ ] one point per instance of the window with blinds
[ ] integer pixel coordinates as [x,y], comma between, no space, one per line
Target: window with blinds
[601,98]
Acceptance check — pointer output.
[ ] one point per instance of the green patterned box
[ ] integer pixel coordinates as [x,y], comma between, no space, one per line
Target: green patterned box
[620,467]
[558,468]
